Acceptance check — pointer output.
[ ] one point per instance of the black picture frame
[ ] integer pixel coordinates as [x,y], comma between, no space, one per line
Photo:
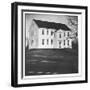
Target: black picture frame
[14,42]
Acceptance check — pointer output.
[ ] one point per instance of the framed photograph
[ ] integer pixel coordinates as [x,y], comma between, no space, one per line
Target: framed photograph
[49,44]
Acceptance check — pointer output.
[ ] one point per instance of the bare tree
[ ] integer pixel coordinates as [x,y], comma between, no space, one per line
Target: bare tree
[73,23]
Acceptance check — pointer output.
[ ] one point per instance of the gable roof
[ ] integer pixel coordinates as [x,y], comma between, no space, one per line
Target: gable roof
[51,25]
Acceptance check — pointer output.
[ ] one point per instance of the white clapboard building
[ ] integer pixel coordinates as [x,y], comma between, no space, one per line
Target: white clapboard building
[44,35]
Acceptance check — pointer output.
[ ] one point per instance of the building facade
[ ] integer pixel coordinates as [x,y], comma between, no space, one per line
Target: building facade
[43,34]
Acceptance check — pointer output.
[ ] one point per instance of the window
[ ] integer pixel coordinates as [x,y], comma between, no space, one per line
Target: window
[42,41]
[42,32]
[47,41]
[51,41]
[64,34]
[64,42]
[51,32]
[59,35]
[47,32]
[68,34]
[60,43]
[68,42]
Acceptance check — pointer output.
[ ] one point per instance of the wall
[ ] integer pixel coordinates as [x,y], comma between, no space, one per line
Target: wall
[5,46]
[33,35]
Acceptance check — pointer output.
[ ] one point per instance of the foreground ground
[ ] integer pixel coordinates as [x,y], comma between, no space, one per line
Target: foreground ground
[47,62]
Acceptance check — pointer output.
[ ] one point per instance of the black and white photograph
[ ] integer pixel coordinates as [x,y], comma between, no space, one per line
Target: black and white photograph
[49,44]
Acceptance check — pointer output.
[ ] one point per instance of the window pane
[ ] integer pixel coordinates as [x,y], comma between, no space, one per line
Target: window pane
[51,32]
[47,41]
[60,43]
[68,42]
[59,35]
[43,32]
[42,41]
[68,33]
[51,41]
[47,32]
[64,34]
[64,42]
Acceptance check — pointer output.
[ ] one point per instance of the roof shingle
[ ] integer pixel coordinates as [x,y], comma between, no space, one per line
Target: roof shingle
[51,25]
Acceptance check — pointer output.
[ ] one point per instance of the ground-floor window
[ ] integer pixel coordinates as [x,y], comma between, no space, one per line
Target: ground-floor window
[68,42]
[47,41]
[51,41]
[43,41]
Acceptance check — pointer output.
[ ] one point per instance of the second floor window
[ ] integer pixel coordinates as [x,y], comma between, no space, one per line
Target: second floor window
[59,35]
[47,32]
[68,34]
[42,32]
[51,32]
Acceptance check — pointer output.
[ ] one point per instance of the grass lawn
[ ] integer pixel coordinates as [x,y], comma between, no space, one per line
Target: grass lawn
[51,61]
